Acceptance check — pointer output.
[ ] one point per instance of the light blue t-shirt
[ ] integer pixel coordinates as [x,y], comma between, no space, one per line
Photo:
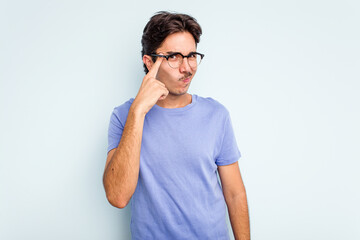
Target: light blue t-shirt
[178,195]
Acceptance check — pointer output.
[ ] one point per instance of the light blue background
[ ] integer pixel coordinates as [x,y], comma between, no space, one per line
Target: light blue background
[288,71]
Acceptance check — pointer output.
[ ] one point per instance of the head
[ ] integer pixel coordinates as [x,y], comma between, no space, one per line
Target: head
[171,32]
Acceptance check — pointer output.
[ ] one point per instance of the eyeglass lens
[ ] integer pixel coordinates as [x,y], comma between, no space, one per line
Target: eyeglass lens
[176,60]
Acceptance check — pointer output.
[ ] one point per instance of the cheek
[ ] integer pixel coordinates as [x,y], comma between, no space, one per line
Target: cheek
[166,75]
[161,75]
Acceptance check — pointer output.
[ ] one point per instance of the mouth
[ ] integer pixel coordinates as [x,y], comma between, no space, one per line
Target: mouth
[187,78]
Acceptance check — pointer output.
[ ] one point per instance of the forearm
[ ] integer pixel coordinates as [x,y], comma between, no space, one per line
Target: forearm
[122,172]
[239,216]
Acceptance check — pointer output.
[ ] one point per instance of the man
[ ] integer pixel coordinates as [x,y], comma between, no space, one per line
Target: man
[166,146]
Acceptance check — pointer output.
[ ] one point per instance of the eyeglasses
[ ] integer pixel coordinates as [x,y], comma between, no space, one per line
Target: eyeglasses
[176,59]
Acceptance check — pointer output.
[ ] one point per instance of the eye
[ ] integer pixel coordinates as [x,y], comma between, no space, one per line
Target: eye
[192,55]
[173,57]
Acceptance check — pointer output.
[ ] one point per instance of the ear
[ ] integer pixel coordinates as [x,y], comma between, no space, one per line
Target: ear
[147,60]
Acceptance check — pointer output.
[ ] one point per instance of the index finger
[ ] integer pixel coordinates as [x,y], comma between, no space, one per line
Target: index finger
[155,67]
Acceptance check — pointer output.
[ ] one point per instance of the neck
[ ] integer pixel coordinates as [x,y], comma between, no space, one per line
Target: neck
[175,101]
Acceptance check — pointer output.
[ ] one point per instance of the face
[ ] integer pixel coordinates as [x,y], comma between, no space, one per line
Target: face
[177,81]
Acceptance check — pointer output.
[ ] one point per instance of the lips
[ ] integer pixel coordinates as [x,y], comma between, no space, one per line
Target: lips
[186,80]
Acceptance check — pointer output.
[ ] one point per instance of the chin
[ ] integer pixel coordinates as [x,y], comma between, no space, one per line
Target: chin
[178,93]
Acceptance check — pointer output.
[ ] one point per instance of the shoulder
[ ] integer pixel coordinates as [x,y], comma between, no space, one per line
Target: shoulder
[120,112]
[213,105]
[124,106]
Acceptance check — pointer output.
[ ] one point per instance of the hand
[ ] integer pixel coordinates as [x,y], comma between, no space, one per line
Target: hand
[151,90]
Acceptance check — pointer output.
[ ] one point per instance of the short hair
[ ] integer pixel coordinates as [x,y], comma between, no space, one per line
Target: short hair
[163,24]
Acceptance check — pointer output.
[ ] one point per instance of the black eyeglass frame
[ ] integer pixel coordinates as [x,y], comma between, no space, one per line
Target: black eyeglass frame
[176,53]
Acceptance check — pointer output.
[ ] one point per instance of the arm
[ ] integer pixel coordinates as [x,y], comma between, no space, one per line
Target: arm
[123,163]
[235,197]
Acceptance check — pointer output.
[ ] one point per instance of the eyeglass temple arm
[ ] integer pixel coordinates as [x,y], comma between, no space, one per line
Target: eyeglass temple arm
[167,57]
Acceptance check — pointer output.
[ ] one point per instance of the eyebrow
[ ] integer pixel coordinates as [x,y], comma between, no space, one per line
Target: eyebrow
[170,52]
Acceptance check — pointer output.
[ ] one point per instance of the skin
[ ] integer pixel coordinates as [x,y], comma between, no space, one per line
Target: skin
[184,43]
[165,87]
[236,200]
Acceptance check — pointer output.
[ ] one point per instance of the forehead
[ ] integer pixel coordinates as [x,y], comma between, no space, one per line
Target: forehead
[182,42]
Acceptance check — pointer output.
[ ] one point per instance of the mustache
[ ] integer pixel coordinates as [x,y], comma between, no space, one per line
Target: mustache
[189,74]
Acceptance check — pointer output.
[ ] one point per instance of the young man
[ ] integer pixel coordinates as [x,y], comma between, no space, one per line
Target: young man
[166,146]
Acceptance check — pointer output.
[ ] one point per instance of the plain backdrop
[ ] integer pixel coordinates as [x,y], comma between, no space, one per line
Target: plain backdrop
[288,72]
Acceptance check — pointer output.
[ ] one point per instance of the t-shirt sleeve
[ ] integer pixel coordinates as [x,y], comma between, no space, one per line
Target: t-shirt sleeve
[229,151]
[114,132]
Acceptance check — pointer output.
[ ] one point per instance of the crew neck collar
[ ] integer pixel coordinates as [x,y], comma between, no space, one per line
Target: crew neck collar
[181,109]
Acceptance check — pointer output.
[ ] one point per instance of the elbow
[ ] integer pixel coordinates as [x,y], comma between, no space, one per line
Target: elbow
[117,202]
[115,196]
[239,195]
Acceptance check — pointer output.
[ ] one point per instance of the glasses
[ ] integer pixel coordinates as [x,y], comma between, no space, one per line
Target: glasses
[176,59]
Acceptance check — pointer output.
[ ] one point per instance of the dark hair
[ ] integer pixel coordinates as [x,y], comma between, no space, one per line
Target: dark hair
[161,25]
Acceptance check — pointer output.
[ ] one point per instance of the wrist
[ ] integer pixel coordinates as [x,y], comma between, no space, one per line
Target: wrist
[137,110]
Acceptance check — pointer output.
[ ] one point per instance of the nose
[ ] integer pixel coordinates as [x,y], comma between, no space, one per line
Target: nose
[184,66]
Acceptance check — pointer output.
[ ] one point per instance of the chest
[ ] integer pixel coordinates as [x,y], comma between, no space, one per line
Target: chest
[180,144]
